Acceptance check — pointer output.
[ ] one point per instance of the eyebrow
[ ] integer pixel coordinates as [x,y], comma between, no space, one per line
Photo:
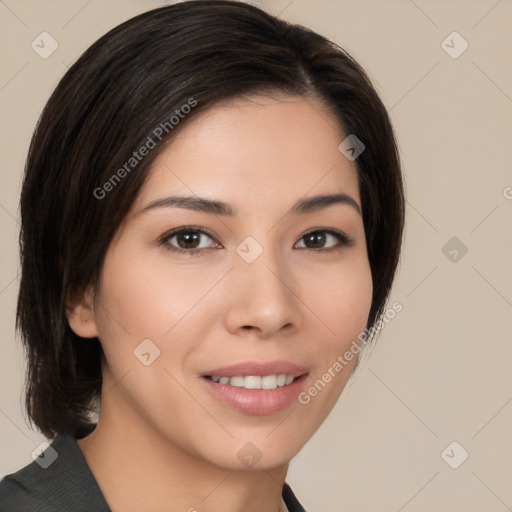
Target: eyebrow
[215,207]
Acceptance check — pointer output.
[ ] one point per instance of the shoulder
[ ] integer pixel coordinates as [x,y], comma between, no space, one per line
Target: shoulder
[292,503]
[59,479]
[23,490]
[33,486]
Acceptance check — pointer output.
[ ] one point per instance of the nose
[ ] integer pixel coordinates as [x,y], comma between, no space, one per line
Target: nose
[264,297]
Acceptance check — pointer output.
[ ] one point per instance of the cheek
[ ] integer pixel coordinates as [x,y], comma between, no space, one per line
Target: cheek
[150,300]
[342,299]
[147,298]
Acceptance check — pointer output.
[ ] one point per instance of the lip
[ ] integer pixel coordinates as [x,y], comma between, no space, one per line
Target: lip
[256,401]
[257,368]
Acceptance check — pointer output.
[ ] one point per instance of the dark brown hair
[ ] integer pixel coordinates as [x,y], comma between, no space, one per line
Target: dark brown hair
[128,84]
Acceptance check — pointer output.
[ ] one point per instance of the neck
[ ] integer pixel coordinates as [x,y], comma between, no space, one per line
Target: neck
[138,469]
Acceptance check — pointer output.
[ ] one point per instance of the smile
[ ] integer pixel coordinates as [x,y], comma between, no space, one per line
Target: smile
[255,387]
[256,381]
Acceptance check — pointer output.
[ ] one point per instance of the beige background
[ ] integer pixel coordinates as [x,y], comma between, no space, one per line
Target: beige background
[440,371]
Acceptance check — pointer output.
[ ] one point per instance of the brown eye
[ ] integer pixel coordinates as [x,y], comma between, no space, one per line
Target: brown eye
[187,240]
[316,240]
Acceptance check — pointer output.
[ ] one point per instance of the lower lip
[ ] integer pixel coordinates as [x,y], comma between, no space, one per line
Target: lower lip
[256,401]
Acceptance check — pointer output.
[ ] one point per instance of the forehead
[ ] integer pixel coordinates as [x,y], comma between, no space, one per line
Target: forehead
[254,151]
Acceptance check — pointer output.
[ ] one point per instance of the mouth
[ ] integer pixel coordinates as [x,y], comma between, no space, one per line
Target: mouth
[256,388]
[256,381]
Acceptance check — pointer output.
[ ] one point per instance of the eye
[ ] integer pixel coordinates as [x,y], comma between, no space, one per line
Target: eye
[193,241]
[315,240]
[187,239]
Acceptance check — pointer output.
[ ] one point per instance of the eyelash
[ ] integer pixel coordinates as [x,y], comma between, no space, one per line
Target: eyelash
[343,240]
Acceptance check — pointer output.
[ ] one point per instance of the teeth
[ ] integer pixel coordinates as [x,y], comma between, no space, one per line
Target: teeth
[256,382]
[236,381]
[269,382]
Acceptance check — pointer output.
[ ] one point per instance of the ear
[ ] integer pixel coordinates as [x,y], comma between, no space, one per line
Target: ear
[80,313]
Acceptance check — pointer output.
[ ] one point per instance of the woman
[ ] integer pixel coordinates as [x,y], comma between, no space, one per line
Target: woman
[212,214]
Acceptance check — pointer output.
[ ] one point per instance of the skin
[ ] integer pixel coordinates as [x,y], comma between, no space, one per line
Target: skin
[164,442]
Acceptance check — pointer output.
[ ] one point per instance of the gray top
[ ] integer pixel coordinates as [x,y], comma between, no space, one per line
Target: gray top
[60,480]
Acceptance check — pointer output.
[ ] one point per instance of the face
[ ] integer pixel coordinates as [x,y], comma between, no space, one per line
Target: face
[199,305]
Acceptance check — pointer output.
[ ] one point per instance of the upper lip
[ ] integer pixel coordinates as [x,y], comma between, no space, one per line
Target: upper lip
[258,368]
